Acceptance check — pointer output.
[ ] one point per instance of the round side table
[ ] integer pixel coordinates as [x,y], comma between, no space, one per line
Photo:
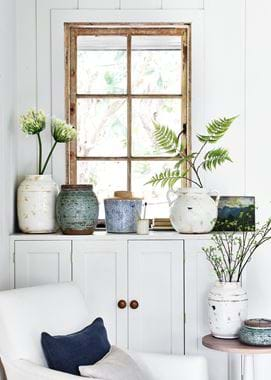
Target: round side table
[236,347]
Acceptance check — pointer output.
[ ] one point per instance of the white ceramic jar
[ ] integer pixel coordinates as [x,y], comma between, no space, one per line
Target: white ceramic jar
[36,199]
[227,308]
[192,210]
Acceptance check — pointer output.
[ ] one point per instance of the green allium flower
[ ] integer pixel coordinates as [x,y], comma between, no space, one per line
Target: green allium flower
[62,131]
[33,122]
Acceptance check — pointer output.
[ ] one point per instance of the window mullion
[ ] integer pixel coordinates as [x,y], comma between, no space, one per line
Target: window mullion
[73,106]
[184,104]
[129,113]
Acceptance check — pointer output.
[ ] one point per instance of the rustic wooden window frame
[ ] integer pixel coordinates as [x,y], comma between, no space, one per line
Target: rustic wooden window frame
[72,31]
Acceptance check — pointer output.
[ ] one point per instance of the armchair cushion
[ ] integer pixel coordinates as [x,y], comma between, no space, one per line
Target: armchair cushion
[116,365]
[67,352]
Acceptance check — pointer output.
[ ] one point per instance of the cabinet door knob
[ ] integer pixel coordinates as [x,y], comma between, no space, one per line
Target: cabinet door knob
[134,304]
[122,304]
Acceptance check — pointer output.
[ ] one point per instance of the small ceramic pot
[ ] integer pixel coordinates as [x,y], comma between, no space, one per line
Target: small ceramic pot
[192,210]
[77,209]
[36,198]
[227,306]
[256,332]
[142,227]
[122,212]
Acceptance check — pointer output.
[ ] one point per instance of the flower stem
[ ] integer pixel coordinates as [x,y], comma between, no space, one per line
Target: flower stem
[40,152]
[48,158]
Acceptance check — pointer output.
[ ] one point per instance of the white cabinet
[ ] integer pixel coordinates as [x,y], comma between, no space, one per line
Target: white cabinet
[156,284]
[100,269]
[41,262]
[137,291]
[165,274]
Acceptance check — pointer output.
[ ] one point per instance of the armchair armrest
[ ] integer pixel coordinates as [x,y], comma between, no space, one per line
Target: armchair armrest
[25,370]
[160,367]
[174,367]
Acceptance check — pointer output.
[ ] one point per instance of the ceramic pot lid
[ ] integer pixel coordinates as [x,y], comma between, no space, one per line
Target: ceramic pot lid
[125,195]
[258,322]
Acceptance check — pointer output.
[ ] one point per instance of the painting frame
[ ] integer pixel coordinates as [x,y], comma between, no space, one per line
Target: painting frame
[235,213]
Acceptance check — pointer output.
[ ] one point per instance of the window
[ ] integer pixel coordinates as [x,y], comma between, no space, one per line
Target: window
[119,79]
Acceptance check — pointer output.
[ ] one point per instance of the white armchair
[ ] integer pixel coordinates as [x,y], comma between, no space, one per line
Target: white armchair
[60,309]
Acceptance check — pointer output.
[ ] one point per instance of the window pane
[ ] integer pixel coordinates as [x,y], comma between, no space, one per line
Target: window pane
[101,125]
[105,176]
[101,65]
[144,111]
[156,65]
[142,171]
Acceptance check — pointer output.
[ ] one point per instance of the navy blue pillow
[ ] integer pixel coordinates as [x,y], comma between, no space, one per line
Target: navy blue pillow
[67,352]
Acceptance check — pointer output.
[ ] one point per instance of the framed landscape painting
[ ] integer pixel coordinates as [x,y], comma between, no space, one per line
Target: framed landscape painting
[236,213]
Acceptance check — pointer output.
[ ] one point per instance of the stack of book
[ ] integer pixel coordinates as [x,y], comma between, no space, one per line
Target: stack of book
[161,224]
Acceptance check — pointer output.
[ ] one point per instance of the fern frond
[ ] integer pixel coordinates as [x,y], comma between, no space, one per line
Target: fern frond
[214,158]
[168,177]
[166,138]
[216,129]
[184,159]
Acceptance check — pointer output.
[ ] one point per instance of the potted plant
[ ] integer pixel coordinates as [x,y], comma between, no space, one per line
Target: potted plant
[192,210]
[229,254]
[37,193]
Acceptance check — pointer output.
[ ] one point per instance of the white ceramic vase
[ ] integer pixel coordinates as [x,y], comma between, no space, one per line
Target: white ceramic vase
[36,199]
[227,308]
[192,210]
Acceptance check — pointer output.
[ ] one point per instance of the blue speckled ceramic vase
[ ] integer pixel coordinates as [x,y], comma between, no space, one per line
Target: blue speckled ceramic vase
[256,332]
[122,212]
[77,209]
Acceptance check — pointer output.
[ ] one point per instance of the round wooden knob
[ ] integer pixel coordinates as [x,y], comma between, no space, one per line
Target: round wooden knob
[122,304]
[134,304]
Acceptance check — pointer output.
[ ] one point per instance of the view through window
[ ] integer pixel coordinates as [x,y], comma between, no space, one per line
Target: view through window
[119,80]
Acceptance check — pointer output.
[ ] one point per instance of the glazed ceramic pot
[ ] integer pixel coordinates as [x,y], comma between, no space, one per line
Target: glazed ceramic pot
[227,307]
[122,212]
[36,197]
[77,209]
[256,332]
[192,210]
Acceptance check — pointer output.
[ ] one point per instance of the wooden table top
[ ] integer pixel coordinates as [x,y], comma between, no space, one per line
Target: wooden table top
[233,346]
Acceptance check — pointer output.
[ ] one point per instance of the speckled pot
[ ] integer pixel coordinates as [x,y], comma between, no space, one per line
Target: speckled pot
[77,209]
[192,210]
[227,306]
[36,197]
[121,214]
[259,334]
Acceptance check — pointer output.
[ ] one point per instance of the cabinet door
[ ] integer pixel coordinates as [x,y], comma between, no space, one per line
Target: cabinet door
[100,269]
[199,278]
[156,283]
[42,262]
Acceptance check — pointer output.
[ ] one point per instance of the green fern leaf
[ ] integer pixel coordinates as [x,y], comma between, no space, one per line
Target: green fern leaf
[168,177]
[214,158]
[216,129]
[166,138]
[184,159]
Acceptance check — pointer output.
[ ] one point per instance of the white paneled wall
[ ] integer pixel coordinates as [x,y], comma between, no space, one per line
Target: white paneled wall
[7,134]
[98,4]
[258,137]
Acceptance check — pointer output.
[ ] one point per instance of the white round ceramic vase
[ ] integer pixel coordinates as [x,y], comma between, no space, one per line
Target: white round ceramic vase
[227,308]
[36,199]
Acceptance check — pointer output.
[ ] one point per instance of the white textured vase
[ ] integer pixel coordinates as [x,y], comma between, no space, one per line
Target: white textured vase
[227,306]
[36,199]
[192,210]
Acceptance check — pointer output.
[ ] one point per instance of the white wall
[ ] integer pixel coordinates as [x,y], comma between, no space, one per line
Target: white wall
[232,77]
[7,134]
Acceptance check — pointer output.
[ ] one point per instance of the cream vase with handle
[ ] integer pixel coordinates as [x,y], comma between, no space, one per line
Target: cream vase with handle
[36,198]
[192,210]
